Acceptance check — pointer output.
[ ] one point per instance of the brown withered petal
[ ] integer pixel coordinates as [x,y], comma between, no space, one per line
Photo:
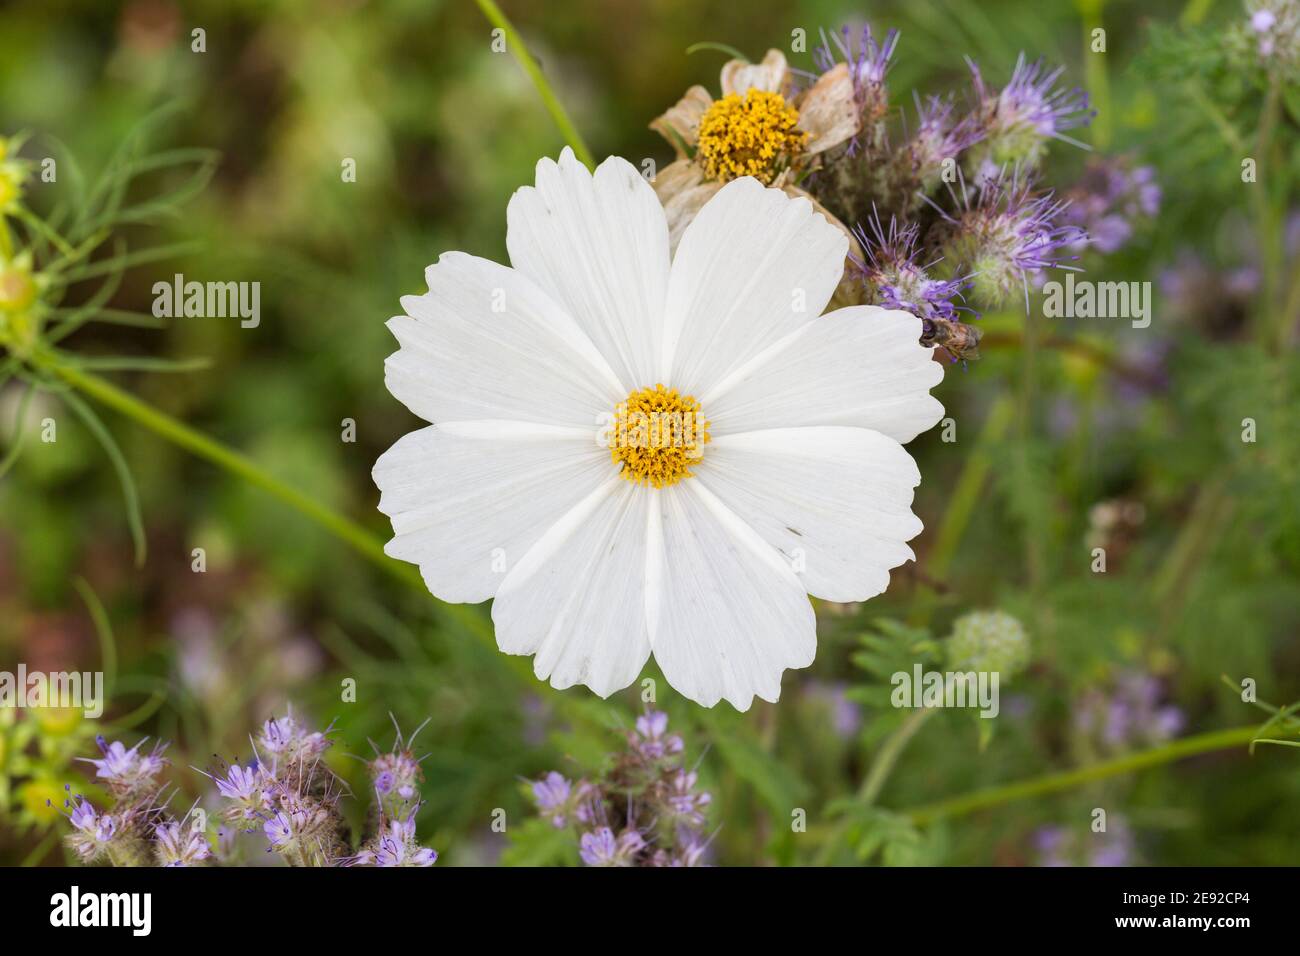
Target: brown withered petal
[680,124]
[827,111]
[683,190]
[772,75]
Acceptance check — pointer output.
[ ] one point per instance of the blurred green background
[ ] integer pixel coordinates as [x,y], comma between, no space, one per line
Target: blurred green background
[1116,435]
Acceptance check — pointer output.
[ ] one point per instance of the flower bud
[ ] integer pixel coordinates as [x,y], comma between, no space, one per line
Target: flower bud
[990,641]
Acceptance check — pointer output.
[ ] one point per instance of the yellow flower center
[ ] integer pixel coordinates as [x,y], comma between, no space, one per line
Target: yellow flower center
[751,135]
[656,435]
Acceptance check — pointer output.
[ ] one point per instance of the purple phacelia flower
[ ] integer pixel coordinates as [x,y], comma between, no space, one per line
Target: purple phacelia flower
[602,848]
[279,829]
[86,819]
[287,739]
[395,845]
[868,61]
[127,772]
[1110,200]
[1006,236]
[1018,120]
[683,804]
[937,141]
[652,739]
[552,794]
[561,800]
[895,279]
[240,783]
[643,810]
[180,846]
[94,833]
[248,790]
[396,775]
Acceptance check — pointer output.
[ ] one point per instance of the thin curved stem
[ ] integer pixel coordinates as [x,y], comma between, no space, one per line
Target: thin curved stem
[874,782]
[359,538]
[1068,779]
[553,105]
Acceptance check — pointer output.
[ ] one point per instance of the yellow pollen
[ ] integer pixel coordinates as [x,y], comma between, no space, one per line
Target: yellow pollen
[656,435]
[749,136]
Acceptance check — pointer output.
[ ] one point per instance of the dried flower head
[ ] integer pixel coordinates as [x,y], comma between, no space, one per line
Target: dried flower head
[761,127]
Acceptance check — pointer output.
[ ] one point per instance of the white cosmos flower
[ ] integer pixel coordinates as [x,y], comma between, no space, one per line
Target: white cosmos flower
[803,488]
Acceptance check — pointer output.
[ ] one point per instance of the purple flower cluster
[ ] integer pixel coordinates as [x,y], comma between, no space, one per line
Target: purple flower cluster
[396,777]
[960,190]
[126,773]
[181,846]
[126,833]
[1128,715]
[646,810]
[395,845]
[1274,29]
[1110,201]
[937,139]
[868,61]
[284,794]
[93,832]
[1019,119]
[1007,234]
[1058,846]
[893,277]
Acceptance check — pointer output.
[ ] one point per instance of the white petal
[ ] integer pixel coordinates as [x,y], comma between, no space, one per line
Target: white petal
[859,366]
[486,343]
[835,501]
[752,267]
[599,245]
[468,500]
[728,614]
[577,599]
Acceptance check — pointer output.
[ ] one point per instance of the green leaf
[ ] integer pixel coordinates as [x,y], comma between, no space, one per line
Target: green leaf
[776,784]
[129,494]
[536,842]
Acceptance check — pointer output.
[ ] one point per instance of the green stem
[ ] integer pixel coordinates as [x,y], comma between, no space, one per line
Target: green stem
[553,104]
[1098,82]
[890,751]
[363,541]
[962,504]
[1267,216]
[1069,779]
[881,768]
[1033,544]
